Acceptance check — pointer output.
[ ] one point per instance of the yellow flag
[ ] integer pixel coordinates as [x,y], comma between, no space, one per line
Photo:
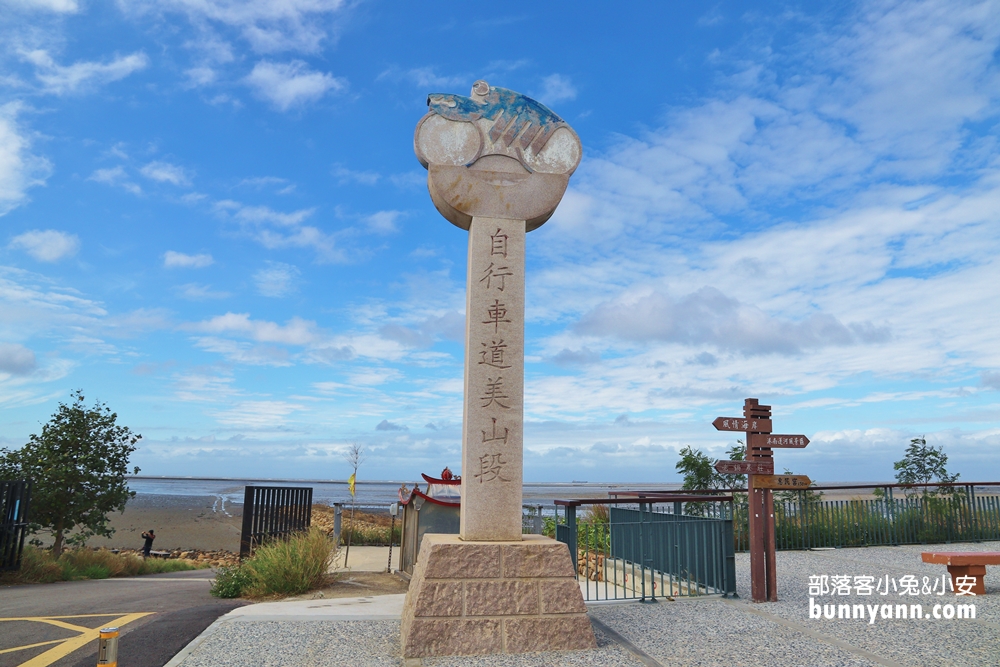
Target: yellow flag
[350,484]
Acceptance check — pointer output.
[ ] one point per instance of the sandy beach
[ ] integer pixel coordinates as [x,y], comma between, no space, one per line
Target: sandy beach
[180,522]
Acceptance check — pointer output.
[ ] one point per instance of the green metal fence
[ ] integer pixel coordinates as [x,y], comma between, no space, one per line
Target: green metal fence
[805,523]
[638,552]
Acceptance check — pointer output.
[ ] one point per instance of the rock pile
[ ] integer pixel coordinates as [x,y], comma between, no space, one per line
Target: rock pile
[590,566]
[217,558]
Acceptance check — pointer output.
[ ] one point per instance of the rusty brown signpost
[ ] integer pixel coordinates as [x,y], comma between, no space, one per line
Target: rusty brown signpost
[759,466]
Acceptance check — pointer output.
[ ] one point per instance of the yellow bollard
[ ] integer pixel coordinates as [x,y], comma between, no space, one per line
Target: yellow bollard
[107,652]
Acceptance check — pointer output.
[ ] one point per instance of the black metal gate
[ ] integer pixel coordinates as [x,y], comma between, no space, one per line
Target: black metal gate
[14,498]
[273,512]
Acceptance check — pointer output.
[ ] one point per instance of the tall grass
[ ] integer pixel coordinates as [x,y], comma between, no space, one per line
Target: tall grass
[39,566]
[280,567]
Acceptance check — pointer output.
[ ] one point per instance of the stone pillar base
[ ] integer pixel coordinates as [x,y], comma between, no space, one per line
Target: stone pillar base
[475,598]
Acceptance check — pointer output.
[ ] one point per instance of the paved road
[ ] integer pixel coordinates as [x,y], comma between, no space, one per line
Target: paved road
[158,615]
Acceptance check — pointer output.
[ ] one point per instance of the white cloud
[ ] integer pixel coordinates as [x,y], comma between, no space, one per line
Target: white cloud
[383,222]
[57,6]
[277,279]
[16,359]
[257,415]
[269,27]
[19,169]
[295,332]
[115,176]
[201,76]
[277,230]
[556,88]
[178,260]
[58,79]
[196,292]
[291,84]
[345,176]
[164,172]
[708,317]
[47,245]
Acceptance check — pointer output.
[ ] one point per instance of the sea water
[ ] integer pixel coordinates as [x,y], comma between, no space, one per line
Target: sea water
[368,493]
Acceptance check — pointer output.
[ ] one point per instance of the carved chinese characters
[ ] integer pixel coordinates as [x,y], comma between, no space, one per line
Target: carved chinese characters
[494,381]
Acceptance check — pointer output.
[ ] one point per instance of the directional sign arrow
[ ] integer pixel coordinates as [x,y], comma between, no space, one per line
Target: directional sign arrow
[775,441]
[781,481]
[742,424]
[757,467]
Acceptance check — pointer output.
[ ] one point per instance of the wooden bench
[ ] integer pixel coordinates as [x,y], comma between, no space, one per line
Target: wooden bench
[964,564]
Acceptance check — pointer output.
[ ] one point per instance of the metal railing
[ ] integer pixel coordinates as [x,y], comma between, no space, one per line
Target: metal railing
[273,512]
[634,551]
[931,513]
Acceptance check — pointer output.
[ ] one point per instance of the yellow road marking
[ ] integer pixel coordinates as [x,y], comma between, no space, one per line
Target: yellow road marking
[67,646]
[21,648]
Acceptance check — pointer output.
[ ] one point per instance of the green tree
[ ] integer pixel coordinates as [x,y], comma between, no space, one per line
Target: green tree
[77,467]
[698,470]
[923,464]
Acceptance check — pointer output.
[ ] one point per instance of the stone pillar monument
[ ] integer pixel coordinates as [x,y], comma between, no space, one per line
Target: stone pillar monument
[498,164]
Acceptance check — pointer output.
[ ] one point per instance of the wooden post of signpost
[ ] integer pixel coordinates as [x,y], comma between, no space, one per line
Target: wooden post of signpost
[758,465]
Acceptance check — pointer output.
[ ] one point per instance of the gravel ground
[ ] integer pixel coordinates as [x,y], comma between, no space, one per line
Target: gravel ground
[689,632]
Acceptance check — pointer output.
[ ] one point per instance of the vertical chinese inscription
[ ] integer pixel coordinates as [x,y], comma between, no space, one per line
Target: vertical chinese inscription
[494,381]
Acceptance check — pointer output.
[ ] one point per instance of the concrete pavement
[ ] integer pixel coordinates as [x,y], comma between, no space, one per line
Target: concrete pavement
[689,631]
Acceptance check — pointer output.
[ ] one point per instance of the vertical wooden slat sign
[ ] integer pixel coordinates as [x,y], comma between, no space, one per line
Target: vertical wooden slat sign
[758,465]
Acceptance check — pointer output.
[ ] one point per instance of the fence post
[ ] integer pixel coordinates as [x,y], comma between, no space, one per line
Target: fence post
[537,528]
[729,548]
[571,535]
[246,534]
[337,513]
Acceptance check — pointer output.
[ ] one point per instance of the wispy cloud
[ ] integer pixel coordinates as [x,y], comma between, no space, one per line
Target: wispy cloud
[164,172]
[47,245]
[345,175]
[115,176]
[60,80]
[269,27]
[179,260]
[556,88]
[292,84]
[276,279]
[276,229]
[19,168]
[16,359]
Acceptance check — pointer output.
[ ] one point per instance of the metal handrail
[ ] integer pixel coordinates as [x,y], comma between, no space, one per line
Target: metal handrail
[652,498]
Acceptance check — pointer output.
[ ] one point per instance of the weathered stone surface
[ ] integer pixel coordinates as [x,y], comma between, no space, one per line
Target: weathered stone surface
[566,633]
[495,154]
[561,596]
[501,598]
[448,558]
[452,637]
[494,382]
[438,598]
[537,558]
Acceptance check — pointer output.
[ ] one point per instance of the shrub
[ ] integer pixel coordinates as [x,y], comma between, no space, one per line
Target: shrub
[289,567]
[230,582]
[39,566]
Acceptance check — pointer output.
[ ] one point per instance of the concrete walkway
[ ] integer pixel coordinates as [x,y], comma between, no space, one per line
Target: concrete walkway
[689,631]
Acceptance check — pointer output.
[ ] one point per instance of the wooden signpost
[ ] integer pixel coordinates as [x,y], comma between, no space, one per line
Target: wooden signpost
[759,467]
[782,482]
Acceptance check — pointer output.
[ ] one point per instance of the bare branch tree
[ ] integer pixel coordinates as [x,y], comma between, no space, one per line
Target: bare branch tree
[354,456]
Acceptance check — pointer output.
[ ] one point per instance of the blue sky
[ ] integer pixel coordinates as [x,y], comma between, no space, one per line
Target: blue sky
[211,218]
